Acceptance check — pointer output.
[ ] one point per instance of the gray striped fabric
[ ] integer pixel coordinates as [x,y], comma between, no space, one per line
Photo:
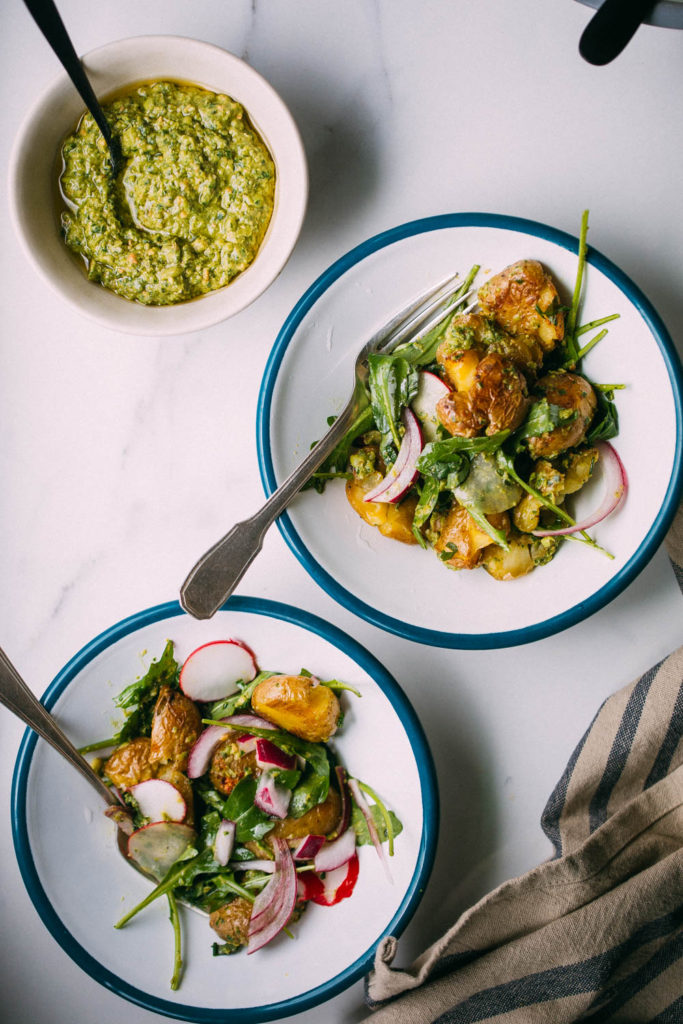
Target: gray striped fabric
[596,933]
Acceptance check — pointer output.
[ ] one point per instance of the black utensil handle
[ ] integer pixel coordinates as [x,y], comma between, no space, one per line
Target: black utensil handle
[610,29]
[48,20]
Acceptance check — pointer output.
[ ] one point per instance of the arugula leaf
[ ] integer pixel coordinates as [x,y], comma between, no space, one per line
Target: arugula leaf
[442,459]
[138,699]
[226,707]
[429,495]
[393,385]
[360,825]
[544,416]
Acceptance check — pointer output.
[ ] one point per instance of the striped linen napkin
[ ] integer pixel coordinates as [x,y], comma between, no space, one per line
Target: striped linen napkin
[595,933]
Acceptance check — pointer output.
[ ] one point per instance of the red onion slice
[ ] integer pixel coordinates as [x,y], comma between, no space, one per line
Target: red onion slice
[308,847]
[616,486]
[252,865]
[401,475]
[274,904]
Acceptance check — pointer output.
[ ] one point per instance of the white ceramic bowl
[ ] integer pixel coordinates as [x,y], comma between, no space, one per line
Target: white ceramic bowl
[80,893]
[400,587]
[33,194]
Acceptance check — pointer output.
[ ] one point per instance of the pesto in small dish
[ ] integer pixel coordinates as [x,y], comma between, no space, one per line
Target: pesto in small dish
[192,206]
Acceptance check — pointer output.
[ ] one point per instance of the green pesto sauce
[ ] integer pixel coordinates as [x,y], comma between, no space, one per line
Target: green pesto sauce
[192,205]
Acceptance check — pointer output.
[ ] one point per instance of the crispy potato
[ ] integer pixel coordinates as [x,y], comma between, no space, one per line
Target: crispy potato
[299,705]
[571,392]
[130,764]
[229,765]
[523,299]
[231,921]
[393,520]
[497,400]
[465,539]
[319,821]
[176,724]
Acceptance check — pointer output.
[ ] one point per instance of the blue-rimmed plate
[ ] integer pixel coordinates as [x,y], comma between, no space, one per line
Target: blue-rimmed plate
[402,588]
[80,885]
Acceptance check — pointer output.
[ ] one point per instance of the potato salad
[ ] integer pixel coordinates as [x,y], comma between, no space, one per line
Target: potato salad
[472,439]
[232,797]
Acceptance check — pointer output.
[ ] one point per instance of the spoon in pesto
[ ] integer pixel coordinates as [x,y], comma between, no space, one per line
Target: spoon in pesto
[48,20]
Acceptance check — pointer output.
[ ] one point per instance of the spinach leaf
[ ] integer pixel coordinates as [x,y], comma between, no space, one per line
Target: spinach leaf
[311,791]
[250,822]
[605,423]
[393,385]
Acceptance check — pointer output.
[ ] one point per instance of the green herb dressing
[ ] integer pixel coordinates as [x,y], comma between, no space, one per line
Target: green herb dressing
[192,206]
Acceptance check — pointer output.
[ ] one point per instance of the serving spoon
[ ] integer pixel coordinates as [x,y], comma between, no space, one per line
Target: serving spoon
[48,20]
[611,28]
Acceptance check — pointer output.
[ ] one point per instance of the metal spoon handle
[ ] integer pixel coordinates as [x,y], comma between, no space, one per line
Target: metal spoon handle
[218,572]
[16,696]
[48,20]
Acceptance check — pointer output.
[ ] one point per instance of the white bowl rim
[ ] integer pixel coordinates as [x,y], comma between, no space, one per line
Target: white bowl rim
[408,630]
[425,769]
[283,231]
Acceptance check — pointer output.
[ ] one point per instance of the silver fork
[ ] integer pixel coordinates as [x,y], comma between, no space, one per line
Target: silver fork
[217,573]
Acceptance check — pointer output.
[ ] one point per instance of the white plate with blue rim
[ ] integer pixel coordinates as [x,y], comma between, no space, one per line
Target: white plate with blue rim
[402,588]
[81,893]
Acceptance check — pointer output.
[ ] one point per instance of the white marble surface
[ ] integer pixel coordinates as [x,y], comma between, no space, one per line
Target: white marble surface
[122,459]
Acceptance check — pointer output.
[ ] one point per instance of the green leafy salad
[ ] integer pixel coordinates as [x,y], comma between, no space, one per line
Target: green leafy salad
[232,798]
[470,438]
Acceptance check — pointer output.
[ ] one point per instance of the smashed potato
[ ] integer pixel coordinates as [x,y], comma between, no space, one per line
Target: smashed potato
[231,922]
[130,764]
[176,724]
[299,704]
[463,540]
[393,520]
[497,400]
[572,393]
[523,300]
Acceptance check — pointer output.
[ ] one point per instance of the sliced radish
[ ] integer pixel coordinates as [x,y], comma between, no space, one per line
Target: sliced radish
[270,756]
[616,486]
[224,841]
[336,886]
[212,671]
[308,847]
[246,743]
[339,851]
[159,800]
[274,904]
[401,475]
[271,797]
[247,721]
[203,749]
[362,806]
[430,390]
[156,847]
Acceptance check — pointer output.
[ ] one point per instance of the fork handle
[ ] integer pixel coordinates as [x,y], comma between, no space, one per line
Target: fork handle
[217,573]
[22,702]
